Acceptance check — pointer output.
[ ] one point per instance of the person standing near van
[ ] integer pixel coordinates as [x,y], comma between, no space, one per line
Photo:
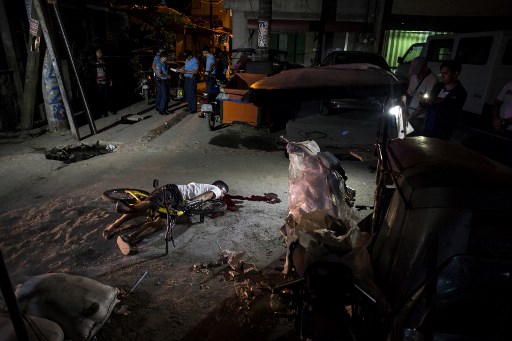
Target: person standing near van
[445,107]
[421,83]
[502,111]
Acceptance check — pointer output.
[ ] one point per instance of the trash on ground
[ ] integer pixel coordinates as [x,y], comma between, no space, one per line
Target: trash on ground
[123,310]
[80,152]
[131,118]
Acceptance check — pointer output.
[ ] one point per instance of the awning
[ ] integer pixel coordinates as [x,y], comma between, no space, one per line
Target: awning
[312,25]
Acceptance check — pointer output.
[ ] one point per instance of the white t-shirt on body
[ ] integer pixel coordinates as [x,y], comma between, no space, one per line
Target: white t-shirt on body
[193,189]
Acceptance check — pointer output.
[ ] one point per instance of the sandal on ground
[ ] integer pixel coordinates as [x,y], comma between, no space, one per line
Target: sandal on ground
[125,247]
[123,207]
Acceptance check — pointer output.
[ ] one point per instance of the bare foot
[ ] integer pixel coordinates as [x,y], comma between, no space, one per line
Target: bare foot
[109,231]
[125,247]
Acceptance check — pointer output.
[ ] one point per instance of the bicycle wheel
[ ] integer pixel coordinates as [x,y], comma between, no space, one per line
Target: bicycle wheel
[129,195]
[209,207]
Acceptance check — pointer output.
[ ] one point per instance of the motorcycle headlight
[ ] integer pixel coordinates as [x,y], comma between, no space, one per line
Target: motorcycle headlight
[395,110]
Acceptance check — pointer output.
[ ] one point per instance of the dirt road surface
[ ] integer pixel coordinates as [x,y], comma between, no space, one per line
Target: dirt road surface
[53,214]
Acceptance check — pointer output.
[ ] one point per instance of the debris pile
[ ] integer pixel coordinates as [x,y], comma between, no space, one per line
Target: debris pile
[80,152]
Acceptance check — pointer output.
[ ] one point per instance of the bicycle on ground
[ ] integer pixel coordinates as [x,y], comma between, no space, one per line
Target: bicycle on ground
[133,196]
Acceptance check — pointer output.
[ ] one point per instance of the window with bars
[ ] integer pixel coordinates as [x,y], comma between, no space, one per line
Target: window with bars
[292,43]
[439,50]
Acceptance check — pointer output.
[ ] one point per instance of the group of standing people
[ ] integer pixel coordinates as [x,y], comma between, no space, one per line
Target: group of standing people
[434,106]
[215,67]
[189,72]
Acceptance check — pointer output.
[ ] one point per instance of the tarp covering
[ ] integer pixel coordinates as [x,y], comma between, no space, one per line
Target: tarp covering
[238,87]
[321,225]
[359,81]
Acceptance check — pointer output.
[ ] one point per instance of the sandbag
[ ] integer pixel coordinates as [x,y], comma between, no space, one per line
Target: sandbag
[37,329]
[79,305]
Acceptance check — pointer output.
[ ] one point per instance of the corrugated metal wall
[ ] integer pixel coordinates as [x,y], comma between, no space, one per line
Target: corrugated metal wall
[397,42]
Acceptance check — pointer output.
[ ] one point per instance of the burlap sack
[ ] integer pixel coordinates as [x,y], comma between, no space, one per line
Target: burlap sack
[79,305]
[37,329]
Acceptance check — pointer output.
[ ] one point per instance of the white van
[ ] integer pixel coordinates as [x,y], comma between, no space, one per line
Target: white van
[404,62]
[486,59]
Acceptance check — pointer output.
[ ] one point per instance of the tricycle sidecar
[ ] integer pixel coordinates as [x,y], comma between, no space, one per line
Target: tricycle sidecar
[446,220]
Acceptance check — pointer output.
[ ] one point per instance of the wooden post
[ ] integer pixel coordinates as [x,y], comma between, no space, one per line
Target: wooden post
[75,71]
[9,49]
[31,77]
[29,99]
[51,51]
[11,302]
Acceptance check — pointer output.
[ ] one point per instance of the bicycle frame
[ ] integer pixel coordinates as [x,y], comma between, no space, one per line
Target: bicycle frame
[133,197]
[137,195]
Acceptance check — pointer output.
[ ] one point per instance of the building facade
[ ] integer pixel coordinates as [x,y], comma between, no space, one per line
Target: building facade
[303,27]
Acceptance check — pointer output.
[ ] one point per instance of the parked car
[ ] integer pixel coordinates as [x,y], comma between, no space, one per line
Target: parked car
[353,57]
[277,61]
[349,57]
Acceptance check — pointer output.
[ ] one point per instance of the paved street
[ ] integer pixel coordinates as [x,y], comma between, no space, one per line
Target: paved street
[55,214]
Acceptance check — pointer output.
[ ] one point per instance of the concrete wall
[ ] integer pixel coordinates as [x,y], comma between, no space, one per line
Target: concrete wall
[310,10]
[493,8]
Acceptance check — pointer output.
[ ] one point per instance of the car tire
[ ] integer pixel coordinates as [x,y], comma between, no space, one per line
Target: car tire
[325,110]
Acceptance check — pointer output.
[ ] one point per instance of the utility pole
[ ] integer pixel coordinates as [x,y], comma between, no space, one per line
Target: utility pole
[264,26]
[320,34]
[328,12]
[11,302]
[211,24]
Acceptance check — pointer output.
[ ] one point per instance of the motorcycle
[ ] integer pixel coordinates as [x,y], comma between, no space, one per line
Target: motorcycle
[147,85]
[210,106]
